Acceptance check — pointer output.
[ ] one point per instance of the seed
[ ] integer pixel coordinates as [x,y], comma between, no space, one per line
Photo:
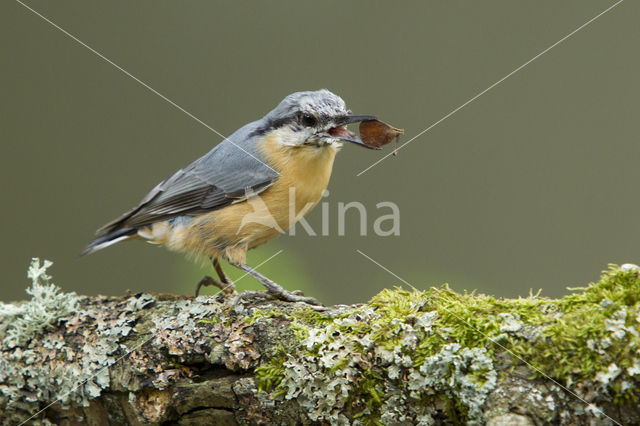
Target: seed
[375,133]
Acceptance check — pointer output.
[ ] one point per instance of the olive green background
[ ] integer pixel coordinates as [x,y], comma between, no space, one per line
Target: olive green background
[532,185]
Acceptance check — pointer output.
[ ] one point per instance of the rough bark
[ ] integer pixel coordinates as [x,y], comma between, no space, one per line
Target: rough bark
[156,358]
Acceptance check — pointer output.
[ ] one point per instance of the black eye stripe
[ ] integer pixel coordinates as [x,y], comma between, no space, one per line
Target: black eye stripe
[298,120]
[275,124]
[308,119]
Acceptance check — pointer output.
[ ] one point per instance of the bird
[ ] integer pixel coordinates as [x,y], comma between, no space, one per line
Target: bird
[244,192]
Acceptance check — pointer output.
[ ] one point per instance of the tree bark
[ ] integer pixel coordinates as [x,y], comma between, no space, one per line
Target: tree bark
[157,358]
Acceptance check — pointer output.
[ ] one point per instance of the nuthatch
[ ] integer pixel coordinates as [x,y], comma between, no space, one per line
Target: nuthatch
[206,208]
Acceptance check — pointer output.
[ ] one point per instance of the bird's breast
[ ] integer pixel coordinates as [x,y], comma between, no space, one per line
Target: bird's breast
[305,170]
[304,175]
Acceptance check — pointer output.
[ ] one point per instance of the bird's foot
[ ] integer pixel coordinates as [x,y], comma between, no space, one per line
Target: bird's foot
[228,289]
[280,293]
[275,290]
[295,296]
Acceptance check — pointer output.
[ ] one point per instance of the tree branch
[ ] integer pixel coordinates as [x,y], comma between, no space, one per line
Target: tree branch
[428,357]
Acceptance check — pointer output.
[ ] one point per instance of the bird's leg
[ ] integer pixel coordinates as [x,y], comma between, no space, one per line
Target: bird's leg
[220,272]
[205,281]
[273,288]
[225,284]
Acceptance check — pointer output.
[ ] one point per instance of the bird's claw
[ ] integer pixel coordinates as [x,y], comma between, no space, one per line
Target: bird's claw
[227,289]
[286,296]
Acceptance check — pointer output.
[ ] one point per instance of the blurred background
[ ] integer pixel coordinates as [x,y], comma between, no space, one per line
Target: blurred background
[531,186]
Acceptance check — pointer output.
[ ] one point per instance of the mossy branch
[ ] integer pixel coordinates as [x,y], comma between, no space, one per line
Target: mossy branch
[428,357]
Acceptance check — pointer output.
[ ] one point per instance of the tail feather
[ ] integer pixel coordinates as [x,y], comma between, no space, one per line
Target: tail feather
[108,239]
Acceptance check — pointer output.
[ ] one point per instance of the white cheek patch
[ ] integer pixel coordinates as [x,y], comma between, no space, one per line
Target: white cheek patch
[289,137]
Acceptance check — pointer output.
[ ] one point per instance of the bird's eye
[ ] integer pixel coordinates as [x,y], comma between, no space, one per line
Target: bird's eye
[308,120]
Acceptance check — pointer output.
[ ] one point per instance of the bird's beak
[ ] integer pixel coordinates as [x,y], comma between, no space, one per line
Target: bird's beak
[341,132]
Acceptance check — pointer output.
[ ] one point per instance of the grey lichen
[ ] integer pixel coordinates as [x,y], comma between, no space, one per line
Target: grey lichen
[406,355]
[179,330]
[37,367]
[368,360]
[47,306]
[419,357]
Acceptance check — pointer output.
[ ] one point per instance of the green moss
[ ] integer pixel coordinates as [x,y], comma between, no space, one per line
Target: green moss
[407,349]
[305,315]
[258,314]
[568,324]
[270,374]
[312,318]
[299,320]
[592,329]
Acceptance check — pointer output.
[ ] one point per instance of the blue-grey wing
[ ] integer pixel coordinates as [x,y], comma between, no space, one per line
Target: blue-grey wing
[224,175]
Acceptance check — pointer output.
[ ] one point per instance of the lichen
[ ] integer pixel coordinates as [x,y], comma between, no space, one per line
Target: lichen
[392,359]
[591,334]
[406,357]
[43,368]
[382,361]
[179,330]
[47,306]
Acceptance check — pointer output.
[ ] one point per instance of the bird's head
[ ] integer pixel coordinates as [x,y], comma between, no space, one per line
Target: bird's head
[314,119]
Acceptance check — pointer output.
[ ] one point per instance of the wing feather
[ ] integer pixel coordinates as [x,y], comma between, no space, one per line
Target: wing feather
[223,176]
